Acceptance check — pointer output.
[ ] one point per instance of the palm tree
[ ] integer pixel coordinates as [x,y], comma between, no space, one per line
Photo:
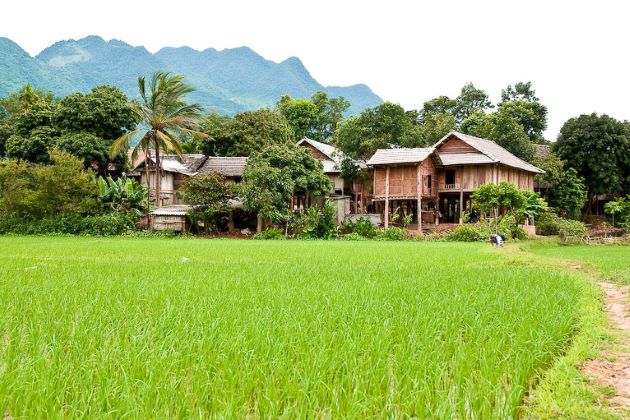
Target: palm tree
[164,117]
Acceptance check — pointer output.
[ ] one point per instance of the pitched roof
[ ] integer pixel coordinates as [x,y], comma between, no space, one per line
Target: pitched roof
[401,155]
[330,151]
[188,165]
[492,150]
[330,167]
[447,159]
[226,166]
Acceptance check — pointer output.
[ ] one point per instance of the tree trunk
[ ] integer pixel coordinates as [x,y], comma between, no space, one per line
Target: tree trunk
[158,177]
[147,173]
[259,223]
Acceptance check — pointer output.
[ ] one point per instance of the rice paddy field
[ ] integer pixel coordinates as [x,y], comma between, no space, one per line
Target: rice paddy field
[143,327]
[612,261]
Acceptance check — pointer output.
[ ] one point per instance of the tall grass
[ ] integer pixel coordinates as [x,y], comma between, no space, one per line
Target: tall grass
[118,327]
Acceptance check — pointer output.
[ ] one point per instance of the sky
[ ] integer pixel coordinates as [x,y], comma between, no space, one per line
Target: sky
[575,53]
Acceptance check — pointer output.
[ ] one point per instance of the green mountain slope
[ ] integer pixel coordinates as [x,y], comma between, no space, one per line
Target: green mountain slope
[230,80]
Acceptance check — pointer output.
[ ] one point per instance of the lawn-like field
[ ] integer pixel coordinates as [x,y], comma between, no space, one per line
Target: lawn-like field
[611,261]
[154,328]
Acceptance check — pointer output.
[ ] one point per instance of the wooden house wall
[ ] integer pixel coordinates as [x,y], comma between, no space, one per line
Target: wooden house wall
[428,168]
[316,153]
[456,146]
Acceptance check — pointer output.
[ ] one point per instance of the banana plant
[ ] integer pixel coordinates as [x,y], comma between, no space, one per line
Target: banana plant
[122,194]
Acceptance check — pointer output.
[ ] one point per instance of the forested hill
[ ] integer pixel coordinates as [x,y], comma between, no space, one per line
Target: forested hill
[230,80]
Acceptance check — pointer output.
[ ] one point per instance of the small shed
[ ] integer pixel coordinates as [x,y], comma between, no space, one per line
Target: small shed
[171,218]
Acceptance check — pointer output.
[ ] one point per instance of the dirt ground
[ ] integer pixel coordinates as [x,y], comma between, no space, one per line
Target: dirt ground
[612,369]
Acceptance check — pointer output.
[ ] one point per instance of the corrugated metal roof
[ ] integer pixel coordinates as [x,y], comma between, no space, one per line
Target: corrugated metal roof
[226,166]
[495,152]
[174,210]
[463,158]
[402,155]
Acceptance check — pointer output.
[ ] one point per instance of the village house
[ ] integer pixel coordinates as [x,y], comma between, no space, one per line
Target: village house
[439,180]
[172,213]
[350,197]
[175,171]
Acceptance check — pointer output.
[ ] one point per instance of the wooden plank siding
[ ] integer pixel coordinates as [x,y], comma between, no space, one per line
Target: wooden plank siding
[474,176]
[403,181]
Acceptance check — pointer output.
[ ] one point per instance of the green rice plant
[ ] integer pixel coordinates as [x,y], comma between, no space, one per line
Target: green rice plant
[149,327]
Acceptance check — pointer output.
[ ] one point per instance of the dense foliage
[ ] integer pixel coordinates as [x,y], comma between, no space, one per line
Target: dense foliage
[209,194]
[277,173]
[247,133]
[598,148]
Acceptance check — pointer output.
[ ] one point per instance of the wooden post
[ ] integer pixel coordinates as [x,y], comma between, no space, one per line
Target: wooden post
[420,188]
[387,198]
[461,197]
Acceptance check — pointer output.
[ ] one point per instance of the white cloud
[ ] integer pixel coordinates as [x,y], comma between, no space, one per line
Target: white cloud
[575,53]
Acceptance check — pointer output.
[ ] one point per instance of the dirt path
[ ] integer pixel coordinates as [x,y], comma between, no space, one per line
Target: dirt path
[612,369]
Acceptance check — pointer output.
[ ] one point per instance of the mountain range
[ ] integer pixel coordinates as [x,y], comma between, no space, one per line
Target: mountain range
[229,81]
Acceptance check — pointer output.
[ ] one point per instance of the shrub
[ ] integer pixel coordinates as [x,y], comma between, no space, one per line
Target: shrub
[392,234]
[468,233]
[432,237]
[548,224]
[362,227]
[270,233]
[572,232]
[319,223]
[73,224]
[353,237]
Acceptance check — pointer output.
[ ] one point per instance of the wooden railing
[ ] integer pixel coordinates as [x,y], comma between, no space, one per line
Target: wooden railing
[450,186]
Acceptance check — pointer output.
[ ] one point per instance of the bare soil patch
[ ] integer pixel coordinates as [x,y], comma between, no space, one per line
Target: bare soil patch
[612,369]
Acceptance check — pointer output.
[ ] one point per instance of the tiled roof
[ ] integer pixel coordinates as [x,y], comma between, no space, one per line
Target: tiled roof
[447,159]
[492,150]
[402,155]
[227,166]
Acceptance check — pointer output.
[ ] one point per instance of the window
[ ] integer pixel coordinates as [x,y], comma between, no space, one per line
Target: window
[450,177]
[429,182]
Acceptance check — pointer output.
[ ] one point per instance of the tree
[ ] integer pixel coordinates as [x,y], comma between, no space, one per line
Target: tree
[520,102]
[617,206]
[566,190]
[92,150]
[274,175]
[35,191]
[37,115]
[520,91]
[384,126]
[164,117]
[531,115]
[18,103]
[211,125]
[330,112]
[301,114]
[104,112]
[439,105]
[252,131]
[33,147]
[436,126]
[495,198]
[469,101]
[210,194]
[503,129]
[598,148]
